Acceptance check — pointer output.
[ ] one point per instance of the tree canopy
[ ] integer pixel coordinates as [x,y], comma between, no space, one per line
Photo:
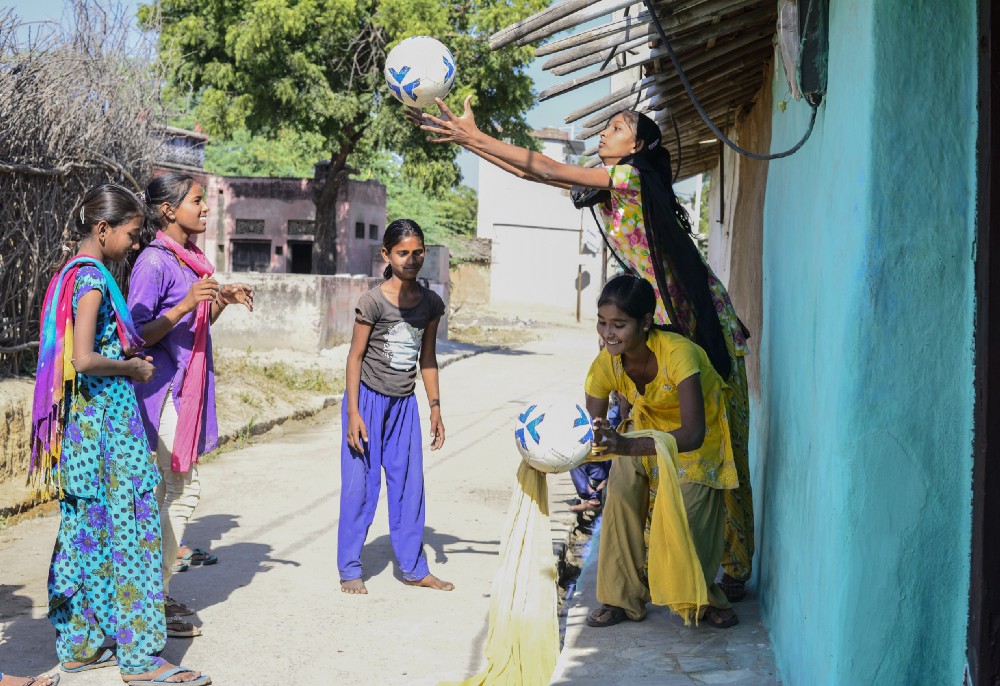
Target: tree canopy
[315,67]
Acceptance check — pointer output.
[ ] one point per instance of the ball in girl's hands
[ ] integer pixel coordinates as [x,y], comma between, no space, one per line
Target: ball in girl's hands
[418,70]
[554,436]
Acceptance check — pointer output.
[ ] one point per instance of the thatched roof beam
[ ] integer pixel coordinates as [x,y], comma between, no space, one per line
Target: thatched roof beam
[744,43]
[550,14]
[723,94]
[623,29]
[593,49]
[677,15]
[631,92]
[554,19]
[597,57]
[560,66]
[670,86]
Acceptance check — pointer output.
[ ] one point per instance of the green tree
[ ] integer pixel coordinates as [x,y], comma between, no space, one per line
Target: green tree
[288,153]
[447,216]
[315,67]
[706,194]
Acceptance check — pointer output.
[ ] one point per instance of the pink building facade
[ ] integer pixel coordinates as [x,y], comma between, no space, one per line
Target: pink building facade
[268,224]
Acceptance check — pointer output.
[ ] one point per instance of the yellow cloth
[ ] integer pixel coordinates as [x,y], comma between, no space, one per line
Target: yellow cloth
[659,406]
[523,641]
[676,578]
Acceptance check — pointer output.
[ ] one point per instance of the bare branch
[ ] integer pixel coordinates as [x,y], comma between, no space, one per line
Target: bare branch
[79,106]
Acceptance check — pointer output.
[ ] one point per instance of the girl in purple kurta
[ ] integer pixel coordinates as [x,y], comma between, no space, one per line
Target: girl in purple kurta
[174,299]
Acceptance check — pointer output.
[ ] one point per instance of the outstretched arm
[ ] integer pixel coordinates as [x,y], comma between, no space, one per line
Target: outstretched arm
[517,172]
[522,162]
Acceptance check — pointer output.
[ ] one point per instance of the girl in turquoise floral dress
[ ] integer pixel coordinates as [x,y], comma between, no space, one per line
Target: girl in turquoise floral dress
[88,441]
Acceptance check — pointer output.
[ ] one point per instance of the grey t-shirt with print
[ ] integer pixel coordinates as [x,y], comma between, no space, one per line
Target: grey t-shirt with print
[390,362]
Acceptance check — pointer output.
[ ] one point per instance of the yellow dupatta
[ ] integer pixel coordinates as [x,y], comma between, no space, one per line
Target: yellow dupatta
[676,579]
[523,641]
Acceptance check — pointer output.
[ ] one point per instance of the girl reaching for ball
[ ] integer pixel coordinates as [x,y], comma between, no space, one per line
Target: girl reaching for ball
[395,331]
[651,231]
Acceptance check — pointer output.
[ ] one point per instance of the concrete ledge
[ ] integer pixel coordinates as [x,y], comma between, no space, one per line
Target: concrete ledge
[302,312]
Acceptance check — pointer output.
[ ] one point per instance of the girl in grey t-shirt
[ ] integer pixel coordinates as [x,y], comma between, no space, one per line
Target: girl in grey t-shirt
[395,330]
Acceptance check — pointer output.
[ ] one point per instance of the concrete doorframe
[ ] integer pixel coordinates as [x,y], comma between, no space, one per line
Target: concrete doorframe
[984,592]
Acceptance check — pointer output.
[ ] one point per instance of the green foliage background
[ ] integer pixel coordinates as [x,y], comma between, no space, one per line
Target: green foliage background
[281,84]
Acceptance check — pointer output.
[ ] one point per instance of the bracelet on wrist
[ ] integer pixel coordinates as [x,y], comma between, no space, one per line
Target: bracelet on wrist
[435,403]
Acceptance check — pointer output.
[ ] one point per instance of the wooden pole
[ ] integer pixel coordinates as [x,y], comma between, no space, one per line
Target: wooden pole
[670,87]
[550,16]
[744,43]
[628,27]
[595,12]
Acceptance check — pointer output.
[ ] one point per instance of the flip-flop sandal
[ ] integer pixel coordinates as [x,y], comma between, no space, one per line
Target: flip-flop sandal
[734,589]
[107,659]
[179,567]
[713,618]
[615,615]
[203,680]
[174,608]
[53,679]
[198,557]
[178,628]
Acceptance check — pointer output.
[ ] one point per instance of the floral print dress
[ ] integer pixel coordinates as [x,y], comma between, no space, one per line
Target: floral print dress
[105,580]
[626,230]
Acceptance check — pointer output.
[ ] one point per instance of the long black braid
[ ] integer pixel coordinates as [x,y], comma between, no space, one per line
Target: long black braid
[668,233]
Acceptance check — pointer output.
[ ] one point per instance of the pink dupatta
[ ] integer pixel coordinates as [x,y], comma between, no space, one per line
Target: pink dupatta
[192,393]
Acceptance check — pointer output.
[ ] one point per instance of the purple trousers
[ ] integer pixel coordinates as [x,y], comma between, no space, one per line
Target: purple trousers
[393,445]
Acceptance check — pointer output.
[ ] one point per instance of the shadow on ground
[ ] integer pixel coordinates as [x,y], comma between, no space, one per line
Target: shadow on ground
[24,635]
[377,553]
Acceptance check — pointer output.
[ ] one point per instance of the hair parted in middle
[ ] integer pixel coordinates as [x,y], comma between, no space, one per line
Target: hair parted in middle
[634,296]
[394,233]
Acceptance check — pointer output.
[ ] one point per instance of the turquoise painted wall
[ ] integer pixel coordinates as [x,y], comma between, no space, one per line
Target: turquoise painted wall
[863,434]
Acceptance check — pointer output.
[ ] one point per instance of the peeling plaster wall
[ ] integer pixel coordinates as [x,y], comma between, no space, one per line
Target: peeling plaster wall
[863,433]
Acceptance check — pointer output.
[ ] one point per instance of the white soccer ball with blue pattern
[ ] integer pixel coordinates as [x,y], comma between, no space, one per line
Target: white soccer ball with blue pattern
[554,437]
[418,70]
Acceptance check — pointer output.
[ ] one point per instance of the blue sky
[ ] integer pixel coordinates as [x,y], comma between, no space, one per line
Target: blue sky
[550,113]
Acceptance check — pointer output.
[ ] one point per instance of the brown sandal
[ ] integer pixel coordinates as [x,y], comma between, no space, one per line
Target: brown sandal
[734,589]
[178,628]
[717,617]
[606,615]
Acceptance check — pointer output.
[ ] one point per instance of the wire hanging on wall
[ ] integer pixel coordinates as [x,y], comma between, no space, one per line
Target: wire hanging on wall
[813,103]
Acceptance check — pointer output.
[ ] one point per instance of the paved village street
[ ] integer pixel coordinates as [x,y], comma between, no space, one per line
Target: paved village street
[271,610]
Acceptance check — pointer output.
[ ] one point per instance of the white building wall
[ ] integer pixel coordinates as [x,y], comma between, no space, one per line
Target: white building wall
[537,240]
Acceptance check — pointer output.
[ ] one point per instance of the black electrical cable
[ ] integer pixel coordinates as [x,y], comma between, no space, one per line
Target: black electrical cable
[704,115]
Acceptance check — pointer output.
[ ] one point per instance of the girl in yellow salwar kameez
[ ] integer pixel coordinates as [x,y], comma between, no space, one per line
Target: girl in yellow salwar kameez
[672,388]
[651,233]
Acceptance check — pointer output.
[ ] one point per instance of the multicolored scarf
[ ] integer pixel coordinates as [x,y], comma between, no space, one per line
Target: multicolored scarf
[192,394]
[55,380]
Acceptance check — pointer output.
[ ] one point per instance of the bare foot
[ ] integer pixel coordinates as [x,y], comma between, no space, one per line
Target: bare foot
[11,680]
[431,581]
[354,587]
[179,678]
